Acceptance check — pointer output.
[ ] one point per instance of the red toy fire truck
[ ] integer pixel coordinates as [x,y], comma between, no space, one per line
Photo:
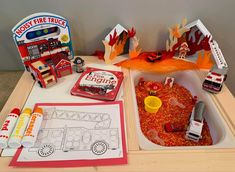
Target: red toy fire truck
[44,43]
[43,73]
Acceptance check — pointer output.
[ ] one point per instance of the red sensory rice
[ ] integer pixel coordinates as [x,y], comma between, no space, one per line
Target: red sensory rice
[152,124]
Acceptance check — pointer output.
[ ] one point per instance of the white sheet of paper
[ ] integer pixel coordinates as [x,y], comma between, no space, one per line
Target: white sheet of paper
[76,133]
[60,92]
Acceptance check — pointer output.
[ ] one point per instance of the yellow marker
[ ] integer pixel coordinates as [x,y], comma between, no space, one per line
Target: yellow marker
[152,104]
[18,132]
[33,127]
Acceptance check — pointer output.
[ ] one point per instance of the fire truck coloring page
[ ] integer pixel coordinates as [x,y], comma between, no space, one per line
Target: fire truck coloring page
[73,132]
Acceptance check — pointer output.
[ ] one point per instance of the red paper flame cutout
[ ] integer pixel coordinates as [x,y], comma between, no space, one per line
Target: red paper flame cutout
[132,32]
[194,46]
[113,39]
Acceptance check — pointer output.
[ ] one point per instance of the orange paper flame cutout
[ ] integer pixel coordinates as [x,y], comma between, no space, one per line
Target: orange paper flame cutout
[163,66]
[204,61]
[134,53]
[117,49]
[176,31]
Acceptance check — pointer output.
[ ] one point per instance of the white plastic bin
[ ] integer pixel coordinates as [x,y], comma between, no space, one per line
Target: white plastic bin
[220,132]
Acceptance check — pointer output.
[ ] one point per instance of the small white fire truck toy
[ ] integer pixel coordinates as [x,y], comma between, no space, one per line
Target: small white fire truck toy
[218,74]
[195,127]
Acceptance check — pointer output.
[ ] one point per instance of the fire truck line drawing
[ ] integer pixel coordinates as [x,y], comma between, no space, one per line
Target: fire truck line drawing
[98,139]
[102,120]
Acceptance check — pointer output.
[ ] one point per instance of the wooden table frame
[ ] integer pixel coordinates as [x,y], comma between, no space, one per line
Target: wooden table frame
[140,160]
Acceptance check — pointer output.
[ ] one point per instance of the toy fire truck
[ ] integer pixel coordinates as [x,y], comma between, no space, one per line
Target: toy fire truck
[96,89]
[43,73]
[196,122]
[218,74]
[44,43]
[152,57]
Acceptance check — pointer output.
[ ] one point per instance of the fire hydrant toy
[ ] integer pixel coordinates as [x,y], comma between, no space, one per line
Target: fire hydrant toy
[79,63]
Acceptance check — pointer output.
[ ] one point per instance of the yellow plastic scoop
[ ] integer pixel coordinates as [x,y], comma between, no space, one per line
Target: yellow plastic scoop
[152,104]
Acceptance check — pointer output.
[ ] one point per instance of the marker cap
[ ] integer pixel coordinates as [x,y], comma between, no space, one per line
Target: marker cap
[16,111]
[38,110]
[27,110]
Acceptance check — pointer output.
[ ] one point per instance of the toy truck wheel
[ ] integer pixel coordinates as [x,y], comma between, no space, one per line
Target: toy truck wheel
[99,147]
[220,88]
[225,77]
[27,68]
[46,150]
[40,84]
[102,92]
[33,76]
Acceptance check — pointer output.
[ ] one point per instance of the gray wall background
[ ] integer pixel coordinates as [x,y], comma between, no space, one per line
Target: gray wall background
[91,20]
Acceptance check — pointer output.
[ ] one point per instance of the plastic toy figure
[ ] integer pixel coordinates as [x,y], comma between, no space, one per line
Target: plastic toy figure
[183,50]
[79,63]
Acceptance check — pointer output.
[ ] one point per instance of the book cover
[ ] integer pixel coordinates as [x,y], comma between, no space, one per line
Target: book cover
[98,84]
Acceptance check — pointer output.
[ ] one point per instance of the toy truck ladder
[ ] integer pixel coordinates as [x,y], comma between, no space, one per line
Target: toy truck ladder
[218,56]
[102,120]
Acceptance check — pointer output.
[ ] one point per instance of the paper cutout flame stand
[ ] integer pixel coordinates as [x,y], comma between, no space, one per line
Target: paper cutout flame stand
[134,51]
[178,35]
[116,45]
[204,60]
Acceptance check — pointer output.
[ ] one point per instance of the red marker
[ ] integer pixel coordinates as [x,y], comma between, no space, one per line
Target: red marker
[8,126]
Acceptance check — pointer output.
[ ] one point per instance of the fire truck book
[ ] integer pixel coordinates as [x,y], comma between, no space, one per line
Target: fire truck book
[45,47]
[77,134]
[98,84]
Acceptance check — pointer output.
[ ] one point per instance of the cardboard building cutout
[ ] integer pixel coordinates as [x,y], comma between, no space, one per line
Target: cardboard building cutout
[40,38]
[118,42]
[209,56]
[191,39]
[186,41]
[198,38]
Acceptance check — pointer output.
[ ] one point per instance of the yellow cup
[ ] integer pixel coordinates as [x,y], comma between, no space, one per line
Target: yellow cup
[152,104]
